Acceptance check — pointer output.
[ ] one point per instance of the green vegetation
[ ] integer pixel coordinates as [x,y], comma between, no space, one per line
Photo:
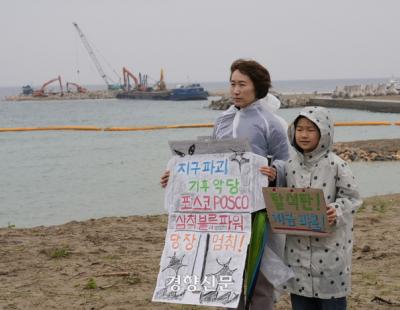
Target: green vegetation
[380,207]
[378,204]
[133,279]
[91,284]
[362,208]
[59,253]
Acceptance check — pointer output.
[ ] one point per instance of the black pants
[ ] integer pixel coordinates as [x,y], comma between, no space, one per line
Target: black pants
[307,303]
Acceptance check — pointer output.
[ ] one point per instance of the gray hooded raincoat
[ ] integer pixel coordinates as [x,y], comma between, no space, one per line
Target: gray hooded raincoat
[322,266]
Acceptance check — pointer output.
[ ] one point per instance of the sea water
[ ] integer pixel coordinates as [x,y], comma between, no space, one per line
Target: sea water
[51,177]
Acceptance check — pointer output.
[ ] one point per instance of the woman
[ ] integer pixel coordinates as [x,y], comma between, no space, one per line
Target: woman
[249,119]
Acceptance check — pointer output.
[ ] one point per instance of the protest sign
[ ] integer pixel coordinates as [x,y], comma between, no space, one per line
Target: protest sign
[209,198]
[296,211]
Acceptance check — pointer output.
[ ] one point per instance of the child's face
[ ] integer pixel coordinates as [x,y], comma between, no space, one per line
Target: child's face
[306,135]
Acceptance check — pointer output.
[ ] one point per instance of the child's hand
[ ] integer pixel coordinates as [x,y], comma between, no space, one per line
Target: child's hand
[270,172]
[164,179]
[331,213]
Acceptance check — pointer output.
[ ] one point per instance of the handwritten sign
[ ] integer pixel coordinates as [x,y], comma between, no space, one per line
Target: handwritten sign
[209,199]
[296,211]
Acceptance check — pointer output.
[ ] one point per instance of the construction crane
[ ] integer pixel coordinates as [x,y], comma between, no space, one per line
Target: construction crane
[40,92]
[79,88]
[107,80]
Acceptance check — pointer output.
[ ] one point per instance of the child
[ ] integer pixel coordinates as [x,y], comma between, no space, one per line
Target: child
[322,265]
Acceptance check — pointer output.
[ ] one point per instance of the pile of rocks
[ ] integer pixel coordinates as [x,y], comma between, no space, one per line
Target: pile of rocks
[356,154]
[353,91]
[295,100]
[366,151]
[221,104]
[287,101]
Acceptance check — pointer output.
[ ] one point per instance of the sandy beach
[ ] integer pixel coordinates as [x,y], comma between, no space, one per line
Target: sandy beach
[99,98]
[112,263]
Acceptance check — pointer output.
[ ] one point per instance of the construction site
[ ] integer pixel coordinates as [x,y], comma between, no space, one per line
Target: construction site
[55,89]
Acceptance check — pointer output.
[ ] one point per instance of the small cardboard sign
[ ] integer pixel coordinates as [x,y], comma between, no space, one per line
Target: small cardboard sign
[296,211]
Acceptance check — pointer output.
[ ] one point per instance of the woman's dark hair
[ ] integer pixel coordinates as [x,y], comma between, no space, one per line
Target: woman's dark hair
[257,73]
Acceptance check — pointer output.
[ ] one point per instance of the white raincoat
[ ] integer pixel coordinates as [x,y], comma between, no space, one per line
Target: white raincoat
[322,266]
[266,133]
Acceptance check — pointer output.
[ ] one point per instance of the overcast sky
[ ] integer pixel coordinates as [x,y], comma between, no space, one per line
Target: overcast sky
[197,40]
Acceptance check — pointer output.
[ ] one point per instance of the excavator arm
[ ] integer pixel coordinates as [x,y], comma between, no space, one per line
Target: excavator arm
[160,85]
[127,74]
[40,92]
[79,88]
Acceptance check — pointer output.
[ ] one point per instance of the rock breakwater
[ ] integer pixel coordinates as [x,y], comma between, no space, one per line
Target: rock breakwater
[287,101]
[369,150]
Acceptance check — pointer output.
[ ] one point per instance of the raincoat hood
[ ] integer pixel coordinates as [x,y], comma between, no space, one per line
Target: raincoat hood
[322,119]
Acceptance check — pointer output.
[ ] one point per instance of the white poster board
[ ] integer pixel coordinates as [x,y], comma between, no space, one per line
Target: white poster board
[209,199]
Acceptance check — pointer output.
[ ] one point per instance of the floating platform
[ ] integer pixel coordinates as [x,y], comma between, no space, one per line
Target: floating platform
[149,95]
[66,96]
[181,93]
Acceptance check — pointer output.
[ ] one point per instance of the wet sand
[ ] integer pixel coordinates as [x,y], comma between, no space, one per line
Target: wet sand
[112,263]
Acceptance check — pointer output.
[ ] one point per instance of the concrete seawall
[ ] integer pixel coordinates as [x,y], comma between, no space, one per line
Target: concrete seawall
[375,105]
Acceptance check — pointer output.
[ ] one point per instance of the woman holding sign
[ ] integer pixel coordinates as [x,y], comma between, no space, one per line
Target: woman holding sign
[249,118]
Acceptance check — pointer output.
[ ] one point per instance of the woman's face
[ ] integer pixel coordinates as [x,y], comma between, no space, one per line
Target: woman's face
[242,89]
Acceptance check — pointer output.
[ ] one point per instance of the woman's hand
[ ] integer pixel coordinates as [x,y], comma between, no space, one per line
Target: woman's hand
[270,172]
[331,213]
[164,179]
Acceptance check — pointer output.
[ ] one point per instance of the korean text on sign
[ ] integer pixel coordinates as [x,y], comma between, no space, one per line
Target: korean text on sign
[193,167]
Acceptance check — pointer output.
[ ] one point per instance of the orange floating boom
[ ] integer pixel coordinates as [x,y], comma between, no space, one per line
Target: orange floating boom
[209,125]
[159,127]
[363,124]
[86,128]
